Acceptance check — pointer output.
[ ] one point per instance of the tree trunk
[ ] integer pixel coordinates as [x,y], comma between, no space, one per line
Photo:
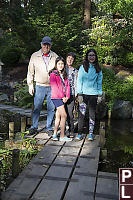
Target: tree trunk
[15,4]
[87,13]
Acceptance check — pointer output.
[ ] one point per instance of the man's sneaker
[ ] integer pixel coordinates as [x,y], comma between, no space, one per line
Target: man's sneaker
[65,139]
[32,131]
[54,137]
[79,137]
[90,137]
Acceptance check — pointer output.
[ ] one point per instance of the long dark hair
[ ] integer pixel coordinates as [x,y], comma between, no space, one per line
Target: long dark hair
[96,64]
[59,58]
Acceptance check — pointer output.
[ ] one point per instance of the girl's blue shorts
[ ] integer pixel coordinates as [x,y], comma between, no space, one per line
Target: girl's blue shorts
[57,102]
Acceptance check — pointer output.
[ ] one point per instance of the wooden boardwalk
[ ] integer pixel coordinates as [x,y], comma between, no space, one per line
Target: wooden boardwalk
[64,171]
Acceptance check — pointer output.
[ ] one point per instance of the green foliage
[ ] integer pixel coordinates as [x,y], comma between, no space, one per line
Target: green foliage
[61,20]
[27,33]
[111,39]
[6,168]
[128,149]
[124,7]
[10,56]
[27,22]
[129,59]
[24,157]
[24,99]
[6,161]
[22,96]
[116,88]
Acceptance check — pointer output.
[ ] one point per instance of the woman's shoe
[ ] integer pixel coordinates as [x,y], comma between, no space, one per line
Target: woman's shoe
[90,137]
[54,137]
[79,137]
[65,139]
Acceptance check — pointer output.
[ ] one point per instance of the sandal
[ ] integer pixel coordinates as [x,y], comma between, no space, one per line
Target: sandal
[71,135]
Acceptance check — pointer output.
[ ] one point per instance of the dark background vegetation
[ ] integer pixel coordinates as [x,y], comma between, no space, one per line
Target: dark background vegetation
[105,25]
[75,26]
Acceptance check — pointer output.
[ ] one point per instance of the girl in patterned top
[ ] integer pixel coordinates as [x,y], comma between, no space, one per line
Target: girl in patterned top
[72,74]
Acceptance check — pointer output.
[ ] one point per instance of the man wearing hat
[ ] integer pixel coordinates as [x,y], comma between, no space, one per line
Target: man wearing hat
[40,63]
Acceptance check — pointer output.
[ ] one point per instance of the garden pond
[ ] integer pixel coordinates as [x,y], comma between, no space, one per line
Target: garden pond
[119,145]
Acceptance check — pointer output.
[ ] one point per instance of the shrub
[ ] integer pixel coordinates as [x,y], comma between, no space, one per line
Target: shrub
[129,59]
[116,88]
[10,56]
[23,98]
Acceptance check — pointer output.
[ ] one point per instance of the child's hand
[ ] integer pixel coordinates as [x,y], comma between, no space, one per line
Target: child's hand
[64,99]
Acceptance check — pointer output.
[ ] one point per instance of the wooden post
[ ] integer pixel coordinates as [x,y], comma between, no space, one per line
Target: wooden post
[103,154]
[15,162]
[29,121]
[11,130]
[102,134]
[109,117]
[23,124]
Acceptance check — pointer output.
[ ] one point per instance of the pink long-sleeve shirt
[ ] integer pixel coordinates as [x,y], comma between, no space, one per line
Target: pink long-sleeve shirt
[57,88]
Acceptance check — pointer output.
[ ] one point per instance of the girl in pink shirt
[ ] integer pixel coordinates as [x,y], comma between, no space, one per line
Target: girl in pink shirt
[60,93]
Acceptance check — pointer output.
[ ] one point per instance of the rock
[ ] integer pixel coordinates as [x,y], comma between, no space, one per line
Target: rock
[123,74]
[1,63]
[4,97]
[121,110]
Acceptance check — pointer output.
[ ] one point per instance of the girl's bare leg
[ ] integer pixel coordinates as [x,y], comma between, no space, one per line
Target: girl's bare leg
[57,122]
[63,117]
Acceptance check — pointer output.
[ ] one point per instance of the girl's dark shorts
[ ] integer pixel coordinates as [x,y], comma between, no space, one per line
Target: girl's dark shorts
[57,102]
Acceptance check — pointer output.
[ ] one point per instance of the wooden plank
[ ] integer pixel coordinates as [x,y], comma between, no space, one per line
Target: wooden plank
[54,183]
[83,188]
[91,149]
[87,165]
[66,160]
[41,136]
[69,151]
[74,143]
[30,177]
[107,186]
[49,190]
[85,175]
[16,192]
[57,171]
[47,154]
[55,143]
[48,174]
